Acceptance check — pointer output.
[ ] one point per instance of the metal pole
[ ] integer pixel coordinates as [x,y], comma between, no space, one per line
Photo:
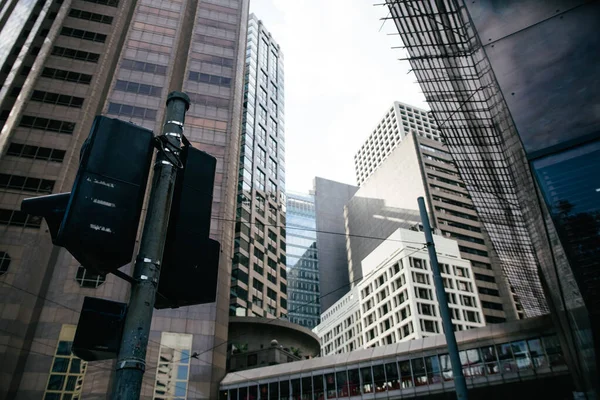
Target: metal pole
[459,379]
[131,362]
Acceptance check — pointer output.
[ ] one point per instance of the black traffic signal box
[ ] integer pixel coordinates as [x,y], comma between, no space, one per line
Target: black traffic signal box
[190,261]
[99,329]
[99,222]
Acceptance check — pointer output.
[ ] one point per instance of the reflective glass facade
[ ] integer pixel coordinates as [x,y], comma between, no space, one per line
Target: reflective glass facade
[302,260]
[400,377]
[570,184]
[511,92]
[258,279]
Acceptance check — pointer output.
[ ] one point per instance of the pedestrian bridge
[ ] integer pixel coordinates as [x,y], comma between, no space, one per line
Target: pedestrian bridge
[513,360]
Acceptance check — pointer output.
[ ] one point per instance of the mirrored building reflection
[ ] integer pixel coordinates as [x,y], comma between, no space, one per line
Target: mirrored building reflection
[511,86]
[302,260]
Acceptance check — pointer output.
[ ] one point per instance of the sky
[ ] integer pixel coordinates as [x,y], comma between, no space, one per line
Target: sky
[341,76]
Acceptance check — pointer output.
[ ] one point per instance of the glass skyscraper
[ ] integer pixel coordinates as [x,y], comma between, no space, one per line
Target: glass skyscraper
[258,279]
[302,261]
[510,89]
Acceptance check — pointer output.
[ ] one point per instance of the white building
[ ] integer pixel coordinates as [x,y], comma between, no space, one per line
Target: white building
[396,299]
[400,120]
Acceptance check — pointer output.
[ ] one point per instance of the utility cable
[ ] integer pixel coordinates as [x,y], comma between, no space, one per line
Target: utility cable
[317,231]
[196,355]
[320,297]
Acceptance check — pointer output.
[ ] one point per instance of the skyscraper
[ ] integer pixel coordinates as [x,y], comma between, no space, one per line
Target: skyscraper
[416,163]
[396,124]
[68,61]
[330,199]
[302,260]
[258,280]
[510,84]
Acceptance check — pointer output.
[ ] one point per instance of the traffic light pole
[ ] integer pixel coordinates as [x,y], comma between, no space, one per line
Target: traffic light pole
[459,379]
[131,362]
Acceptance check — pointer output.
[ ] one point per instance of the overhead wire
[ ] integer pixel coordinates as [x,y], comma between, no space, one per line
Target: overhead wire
[318,231]
[196,355]
[89,365]
[320,297]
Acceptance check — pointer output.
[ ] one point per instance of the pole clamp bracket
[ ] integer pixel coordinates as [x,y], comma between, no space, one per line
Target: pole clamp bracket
[149,260]
[180,124]
[164,162]
[174,134]
[132,364]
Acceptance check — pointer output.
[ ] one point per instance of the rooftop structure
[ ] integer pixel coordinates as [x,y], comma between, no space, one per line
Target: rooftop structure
[510,360]
[401,120]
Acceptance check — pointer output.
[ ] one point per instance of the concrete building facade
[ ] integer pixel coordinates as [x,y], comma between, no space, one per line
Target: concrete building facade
[388,199]
[396,300]
[330,199]
[258,279]
[400,120]
[304,303]
[71,60]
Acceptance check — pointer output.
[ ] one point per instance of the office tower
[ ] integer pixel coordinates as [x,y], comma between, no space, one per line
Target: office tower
[73,60]
[512,85]
[330,199]
[396,299]
[304,306]
[419,166]
[397,123]
[258,279]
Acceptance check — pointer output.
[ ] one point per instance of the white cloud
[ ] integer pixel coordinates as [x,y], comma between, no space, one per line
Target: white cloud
[341,76]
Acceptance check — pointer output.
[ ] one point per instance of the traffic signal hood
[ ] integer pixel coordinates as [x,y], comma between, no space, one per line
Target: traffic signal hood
[98,221]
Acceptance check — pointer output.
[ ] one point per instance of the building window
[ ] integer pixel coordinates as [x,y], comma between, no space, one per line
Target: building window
[144,67]
[485,278]
[81,34]
[471,316]
[88,279]
[131,111]
[423,293]
[488,291]
[45,124]
[206,100]
[427,309]
[4,262]
[491,306]
[111,3]
[57,99]
[138,88]
[34,152]
[19,218]
[468,301]
[65,380]
[429,326]
[418,263]
[26,184]
[90,16]
[464,286]
[421,278]
[211,59]
[68,76]
[75,54]
[210,79]
[173,368]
